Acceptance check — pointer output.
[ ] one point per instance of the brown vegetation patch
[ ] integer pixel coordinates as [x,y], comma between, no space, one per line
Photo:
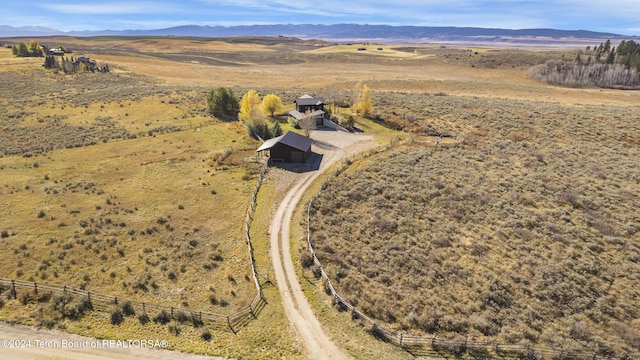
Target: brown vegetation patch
[525,231]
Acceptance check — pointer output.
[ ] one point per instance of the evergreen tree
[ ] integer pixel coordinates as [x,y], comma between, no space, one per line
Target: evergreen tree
[20,50]
[610,58]
[258,129]
[223,104]
[276,130]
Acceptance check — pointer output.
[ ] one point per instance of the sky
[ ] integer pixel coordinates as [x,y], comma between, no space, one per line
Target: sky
[614,16]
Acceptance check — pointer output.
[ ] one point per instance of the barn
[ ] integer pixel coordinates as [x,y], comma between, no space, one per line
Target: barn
[290,147]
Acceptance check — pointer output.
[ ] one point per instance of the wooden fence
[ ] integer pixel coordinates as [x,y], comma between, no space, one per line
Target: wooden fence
[421,345]
[34,291]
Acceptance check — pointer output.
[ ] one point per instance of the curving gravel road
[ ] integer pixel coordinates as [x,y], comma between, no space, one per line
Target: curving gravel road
[333,145]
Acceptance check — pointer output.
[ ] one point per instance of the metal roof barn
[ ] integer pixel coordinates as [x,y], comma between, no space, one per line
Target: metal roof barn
[290,147]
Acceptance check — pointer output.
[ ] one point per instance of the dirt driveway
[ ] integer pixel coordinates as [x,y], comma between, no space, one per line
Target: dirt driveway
[329,147]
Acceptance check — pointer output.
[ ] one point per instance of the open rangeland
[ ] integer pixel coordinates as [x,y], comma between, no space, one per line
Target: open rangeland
[522,228]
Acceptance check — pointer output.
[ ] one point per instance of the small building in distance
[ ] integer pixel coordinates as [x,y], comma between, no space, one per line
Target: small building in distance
[290,147]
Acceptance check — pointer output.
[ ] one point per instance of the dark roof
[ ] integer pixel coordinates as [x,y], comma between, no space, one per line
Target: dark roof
[291,139]
[307,100]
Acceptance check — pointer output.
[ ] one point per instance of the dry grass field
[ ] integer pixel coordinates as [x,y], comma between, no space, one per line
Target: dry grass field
[523,229]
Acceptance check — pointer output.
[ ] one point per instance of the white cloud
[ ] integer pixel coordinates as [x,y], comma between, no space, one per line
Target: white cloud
[619,16]
[109,8]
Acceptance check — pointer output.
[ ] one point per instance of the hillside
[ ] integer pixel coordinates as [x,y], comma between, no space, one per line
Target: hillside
[353,32]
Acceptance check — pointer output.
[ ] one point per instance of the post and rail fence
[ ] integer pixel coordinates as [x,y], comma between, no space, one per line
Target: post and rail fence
[36,291]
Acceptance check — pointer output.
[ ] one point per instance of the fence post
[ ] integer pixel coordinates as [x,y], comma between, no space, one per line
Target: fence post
[144,310]
[13,289]
[89,296]
[172,312]
[400,339]
[115,300]
[230,327]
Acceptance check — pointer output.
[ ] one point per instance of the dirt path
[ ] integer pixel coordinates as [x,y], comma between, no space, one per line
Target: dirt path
[333,147]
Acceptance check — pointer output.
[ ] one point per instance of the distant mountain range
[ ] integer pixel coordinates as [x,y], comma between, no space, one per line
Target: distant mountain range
[340,32]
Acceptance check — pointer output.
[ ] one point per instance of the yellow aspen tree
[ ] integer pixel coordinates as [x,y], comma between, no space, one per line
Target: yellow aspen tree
[250,107]
[271,103]
[365,103]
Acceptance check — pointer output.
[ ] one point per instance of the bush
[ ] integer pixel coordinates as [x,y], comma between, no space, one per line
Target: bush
[127,309]
[116,317]
[143,318]
[25,297]
[206,335]
[162,318]
[71,307]
[213,299]
[306,258]
[174,328]
[294,123]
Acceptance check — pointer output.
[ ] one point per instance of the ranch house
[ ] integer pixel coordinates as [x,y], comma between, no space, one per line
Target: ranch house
[290,147]
[309,106]
[308,103]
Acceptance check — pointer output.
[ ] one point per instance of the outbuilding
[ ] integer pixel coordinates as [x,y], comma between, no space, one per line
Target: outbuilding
[290,147]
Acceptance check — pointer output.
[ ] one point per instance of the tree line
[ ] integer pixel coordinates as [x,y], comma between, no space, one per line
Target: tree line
[73,66]
[23,50]
[627,53]
[605,66]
